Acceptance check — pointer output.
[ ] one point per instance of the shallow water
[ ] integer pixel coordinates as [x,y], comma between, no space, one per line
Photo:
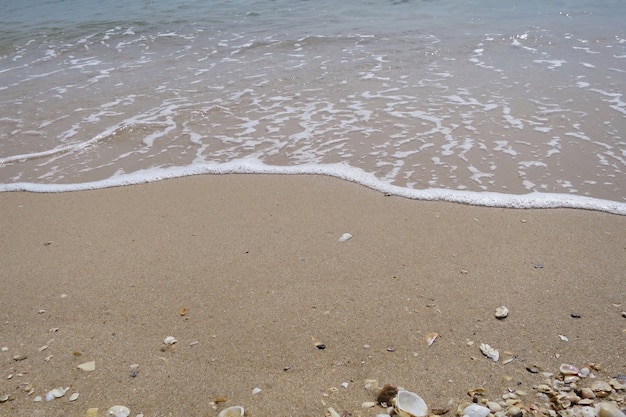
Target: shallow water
[483,102]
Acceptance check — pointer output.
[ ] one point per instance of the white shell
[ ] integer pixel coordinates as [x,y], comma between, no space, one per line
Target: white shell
[256,391]
[409,404]
[87,366]
[490,352]
[475,410]
[118,411]
[235,411]
[74,396]
[169,340]
[55,393]
[502,312]
[345,236]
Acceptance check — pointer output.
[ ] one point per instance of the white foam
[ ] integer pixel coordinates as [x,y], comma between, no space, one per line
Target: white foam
[342,171]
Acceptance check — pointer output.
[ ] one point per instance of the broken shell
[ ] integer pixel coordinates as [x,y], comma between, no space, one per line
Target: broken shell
[616,384]
[490,352]
[345,237]
[409,404]
[601,388]
[118,411]
[87,366]
[55,393]
[235,411]
[169,340]
[567,369]
[475,410]
[502,312]
[431,337]
[606,409]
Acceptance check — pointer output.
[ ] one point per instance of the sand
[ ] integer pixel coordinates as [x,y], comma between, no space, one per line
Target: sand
[256,262]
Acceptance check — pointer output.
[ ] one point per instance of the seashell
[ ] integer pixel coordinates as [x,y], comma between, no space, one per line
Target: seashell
[368,404]
[601,388]
[4,398]
[476,391]
[409,404]
[118,411]
[616,384]
[587,393]
[87,366]
[493,406]
[545,389]
[169,340]
[606,409]
[55,393]
[332,412]
[74,397]
[514,412]
[37,399]
[345,237]
[502,312]
[567,369]
[490,352]
[475,410]
[431,337]
[256,391]
[234,411]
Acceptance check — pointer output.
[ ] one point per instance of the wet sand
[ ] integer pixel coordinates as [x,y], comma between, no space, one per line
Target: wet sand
[256,262]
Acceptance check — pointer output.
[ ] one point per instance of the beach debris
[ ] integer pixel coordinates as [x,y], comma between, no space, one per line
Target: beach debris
[56,393]
[567,369]
[256,391]
[169,340]
[74,397]
[391,349]
[607,409]
[234,411]
[345,237]
[431,337]
[490,352]
[564,338]
[575,315]
[538,266]
[476,410]
[118,411]
[387,393]
[333,413]
[502,312]
[183,312]
[409,404]
[87,366]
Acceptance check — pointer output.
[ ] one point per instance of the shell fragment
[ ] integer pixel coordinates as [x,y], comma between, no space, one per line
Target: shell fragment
[490,352]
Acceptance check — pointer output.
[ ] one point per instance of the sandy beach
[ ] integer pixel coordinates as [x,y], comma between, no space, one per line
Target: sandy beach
[248,274]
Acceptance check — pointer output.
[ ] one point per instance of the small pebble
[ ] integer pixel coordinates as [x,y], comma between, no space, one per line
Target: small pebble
[134,373]
[320,346]
[575,315]
[539,266]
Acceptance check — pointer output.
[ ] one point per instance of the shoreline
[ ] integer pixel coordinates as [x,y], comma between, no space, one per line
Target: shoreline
[256,262]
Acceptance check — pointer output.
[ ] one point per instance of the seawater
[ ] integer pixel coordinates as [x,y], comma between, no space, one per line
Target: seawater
[493,102]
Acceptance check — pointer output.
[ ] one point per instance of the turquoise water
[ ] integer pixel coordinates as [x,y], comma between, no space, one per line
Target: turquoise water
[501,103]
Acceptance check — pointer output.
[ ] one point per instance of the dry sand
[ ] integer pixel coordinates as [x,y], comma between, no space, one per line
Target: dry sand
[256,262]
